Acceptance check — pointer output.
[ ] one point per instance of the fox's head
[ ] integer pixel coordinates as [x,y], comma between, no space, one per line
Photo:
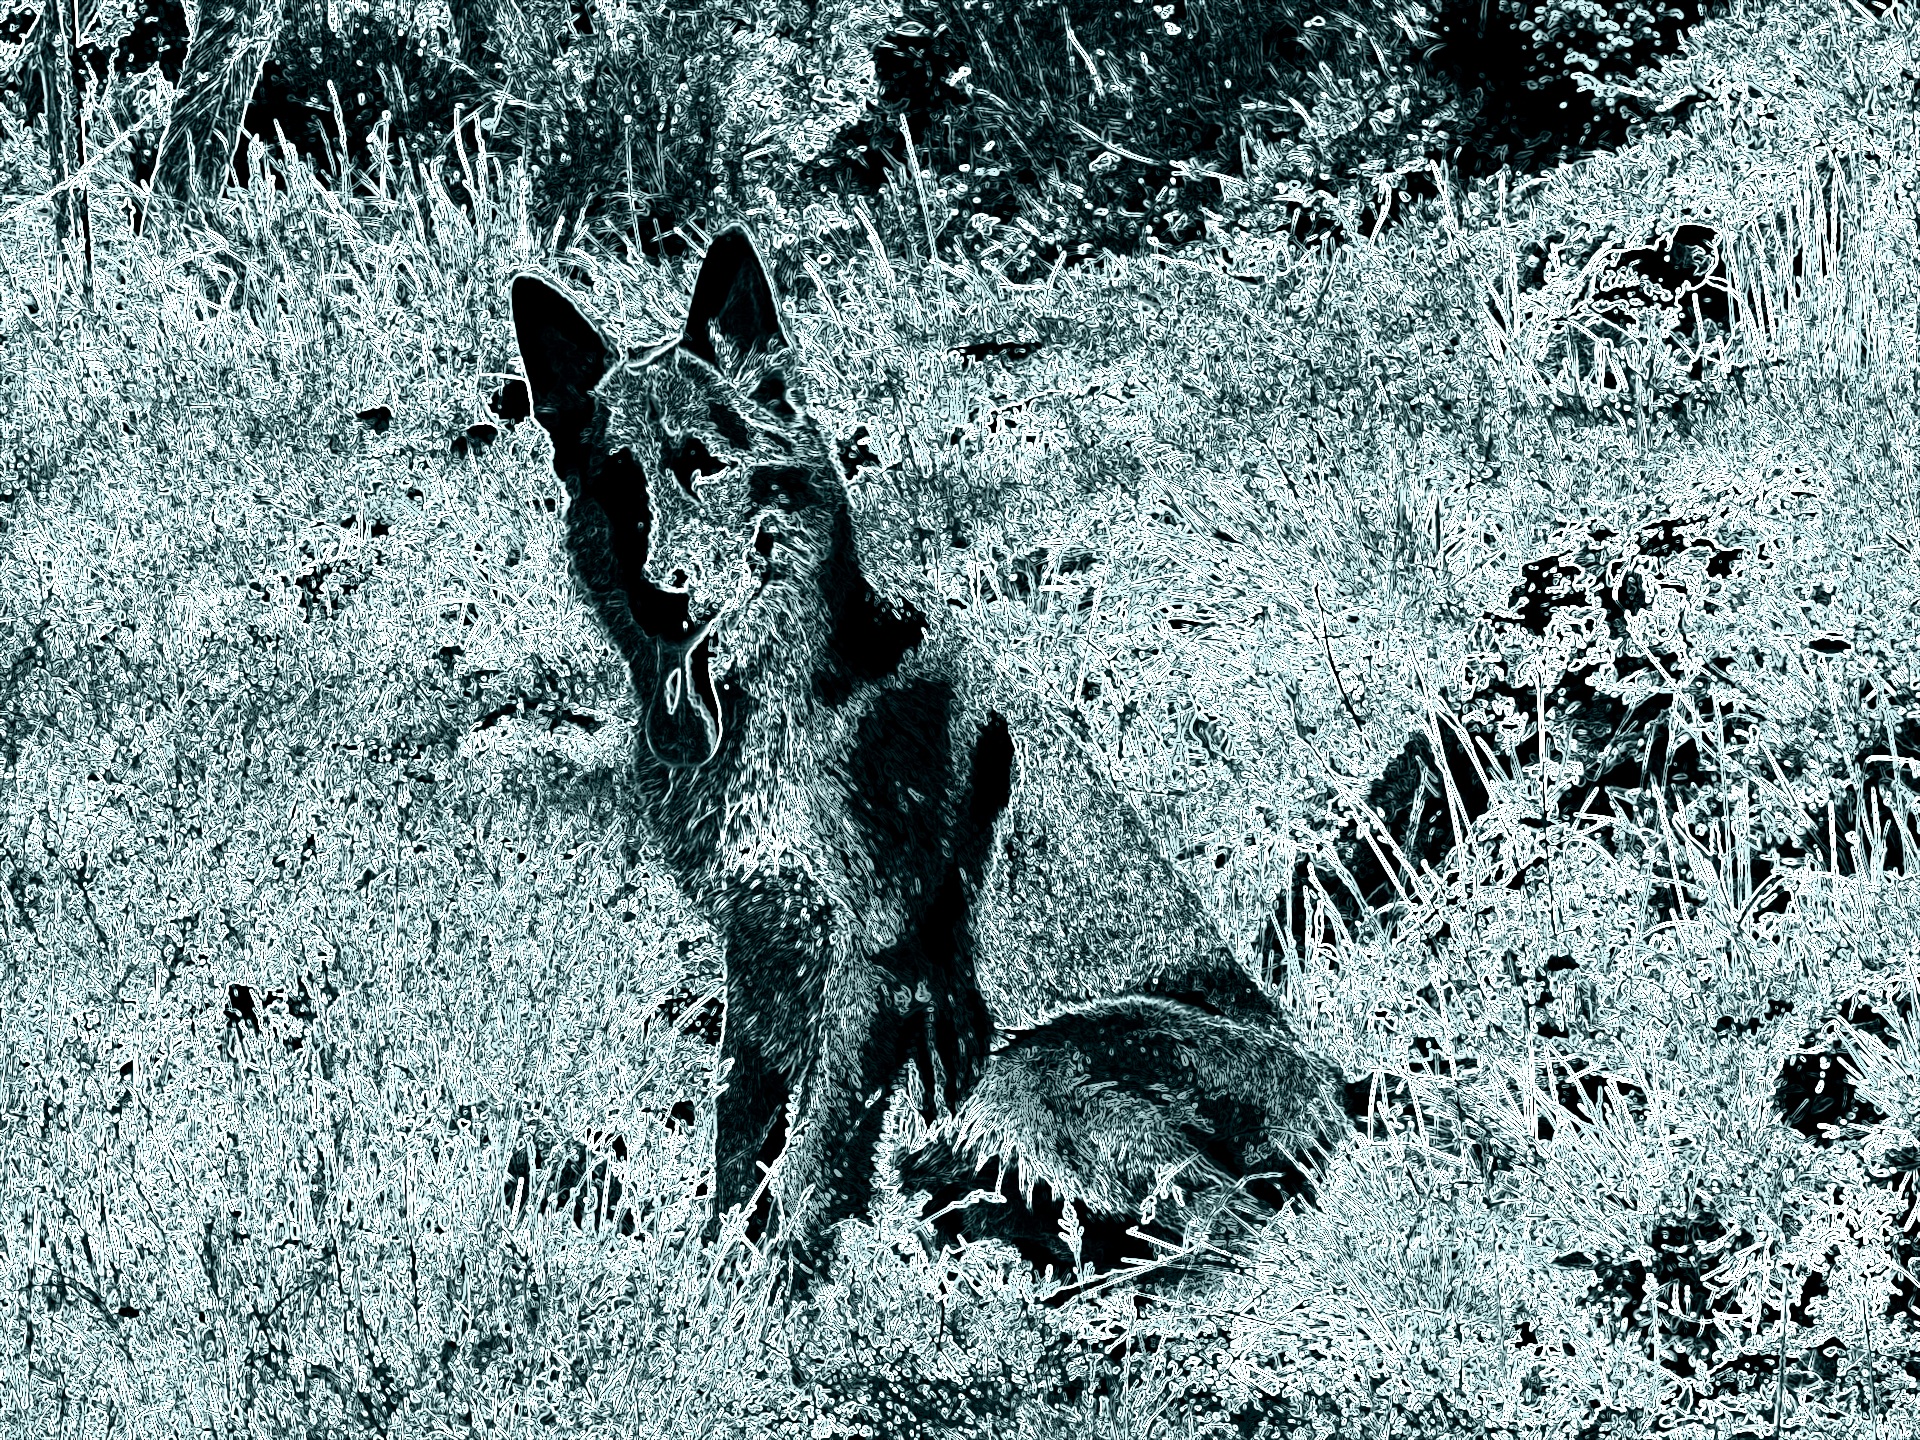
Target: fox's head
[706,492]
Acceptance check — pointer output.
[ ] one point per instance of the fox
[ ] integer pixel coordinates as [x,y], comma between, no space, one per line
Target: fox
[1096,1078]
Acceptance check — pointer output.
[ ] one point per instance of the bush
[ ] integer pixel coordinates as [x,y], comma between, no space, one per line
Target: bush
[632,121]
[1048,130]
[1517,63]
[615,110]
[129,46]
[611,110]
[378,78]
[1053,130]
[1040,131]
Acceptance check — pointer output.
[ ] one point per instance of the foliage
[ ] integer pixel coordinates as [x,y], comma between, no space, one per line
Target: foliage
[616,108]
[130,54]
[346,80]
[1522,66]
[631,119]
[1046,130]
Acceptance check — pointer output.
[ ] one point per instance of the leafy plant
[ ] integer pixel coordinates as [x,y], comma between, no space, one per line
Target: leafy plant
[1045,130]
[365,73]
[1048,130]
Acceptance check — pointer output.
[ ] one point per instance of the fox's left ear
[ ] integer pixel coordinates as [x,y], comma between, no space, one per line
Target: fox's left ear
[563,351]
[732,301]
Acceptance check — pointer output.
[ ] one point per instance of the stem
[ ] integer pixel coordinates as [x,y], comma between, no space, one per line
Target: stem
[72,27]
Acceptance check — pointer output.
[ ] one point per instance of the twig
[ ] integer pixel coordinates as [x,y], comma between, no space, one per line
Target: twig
[1786,1324]
[73,182]
[1183,169]
[1326,645]
[72,28]
[919,189]
[1873,1380]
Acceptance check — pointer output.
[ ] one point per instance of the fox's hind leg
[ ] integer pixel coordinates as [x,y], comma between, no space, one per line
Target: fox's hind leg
[750,1131]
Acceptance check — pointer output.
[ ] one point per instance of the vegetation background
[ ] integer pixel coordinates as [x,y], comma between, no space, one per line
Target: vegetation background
[1283,395]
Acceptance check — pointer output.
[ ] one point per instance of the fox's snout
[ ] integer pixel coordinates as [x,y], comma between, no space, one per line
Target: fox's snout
[678,544]
[708,557]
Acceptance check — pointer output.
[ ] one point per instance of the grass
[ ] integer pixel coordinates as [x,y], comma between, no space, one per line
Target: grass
[325,895]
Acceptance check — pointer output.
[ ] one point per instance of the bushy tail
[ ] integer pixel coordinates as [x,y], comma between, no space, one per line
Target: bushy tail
[1122,1128]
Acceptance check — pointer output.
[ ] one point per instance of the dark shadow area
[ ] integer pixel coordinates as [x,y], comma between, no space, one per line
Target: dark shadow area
[1817,1092]
[333,95]
[1707,1336]
[1514,62]
[1029,1218]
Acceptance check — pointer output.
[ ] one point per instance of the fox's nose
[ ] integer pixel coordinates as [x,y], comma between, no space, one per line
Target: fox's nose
[681,573]
[670,577]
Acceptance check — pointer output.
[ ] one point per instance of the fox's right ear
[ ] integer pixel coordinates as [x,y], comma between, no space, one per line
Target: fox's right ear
[732,300]
[564,354]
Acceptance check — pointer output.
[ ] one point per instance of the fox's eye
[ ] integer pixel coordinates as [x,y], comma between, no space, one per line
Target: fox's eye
[772,393]
[731,427]
[686,459]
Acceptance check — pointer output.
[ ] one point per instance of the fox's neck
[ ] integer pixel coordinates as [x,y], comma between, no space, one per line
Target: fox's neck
[759,795]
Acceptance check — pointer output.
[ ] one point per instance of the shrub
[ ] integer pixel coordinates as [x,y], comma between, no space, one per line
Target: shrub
[1041,131]
[1044,130]
[631,120]
[613,108]
[1518,63]
[378,77]
[128,46]
[1052,130]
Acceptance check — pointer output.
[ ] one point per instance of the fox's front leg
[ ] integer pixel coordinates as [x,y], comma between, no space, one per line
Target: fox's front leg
[827,1173]
[953,1032]
[750,1127]
[947,1038]
[810,1017]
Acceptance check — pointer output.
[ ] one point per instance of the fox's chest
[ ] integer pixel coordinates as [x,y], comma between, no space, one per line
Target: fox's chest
[858,799]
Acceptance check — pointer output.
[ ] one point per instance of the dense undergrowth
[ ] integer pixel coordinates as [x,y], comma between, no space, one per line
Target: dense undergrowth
[1023,133]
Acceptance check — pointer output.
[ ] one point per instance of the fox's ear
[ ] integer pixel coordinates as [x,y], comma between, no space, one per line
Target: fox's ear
[564,353]
[732,301]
